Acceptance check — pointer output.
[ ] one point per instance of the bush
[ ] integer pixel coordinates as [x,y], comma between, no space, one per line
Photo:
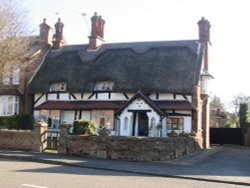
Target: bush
[18,122]
[244,114]
[85,127]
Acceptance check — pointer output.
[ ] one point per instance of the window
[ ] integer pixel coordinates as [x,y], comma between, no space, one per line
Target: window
[60,86]
[16,75]
[175,124]
[52,117]
[8,105]
[11,72]
[6,75]
[104,86]
[103,118]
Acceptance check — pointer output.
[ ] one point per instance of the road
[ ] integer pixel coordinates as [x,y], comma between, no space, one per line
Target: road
[20,174]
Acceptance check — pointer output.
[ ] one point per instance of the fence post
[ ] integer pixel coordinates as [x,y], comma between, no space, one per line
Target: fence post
[246,136]
[64,129]
[40,129]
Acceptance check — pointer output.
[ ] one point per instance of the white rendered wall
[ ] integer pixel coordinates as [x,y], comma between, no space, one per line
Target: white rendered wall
[64,96]
[52,96]
[41,100]
[128,131]
[69,116]
[86,115]
[188,124]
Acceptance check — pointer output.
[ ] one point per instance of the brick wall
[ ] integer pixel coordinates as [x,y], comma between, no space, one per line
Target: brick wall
[130,148]
[13,139]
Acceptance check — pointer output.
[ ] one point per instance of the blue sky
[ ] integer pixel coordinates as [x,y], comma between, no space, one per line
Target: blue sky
[160,20]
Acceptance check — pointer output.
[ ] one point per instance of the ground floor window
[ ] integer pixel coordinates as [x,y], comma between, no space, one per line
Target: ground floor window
[52,117]
[175,123]
[8,105]
[103,118]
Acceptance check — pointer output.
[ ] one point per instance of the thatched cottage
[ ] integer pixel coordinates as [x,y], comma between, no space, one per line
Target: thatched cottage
[134,89]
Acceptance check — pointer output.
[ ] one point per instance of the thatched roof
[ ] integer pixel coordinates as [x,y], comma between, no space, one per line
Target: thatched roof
[170,66]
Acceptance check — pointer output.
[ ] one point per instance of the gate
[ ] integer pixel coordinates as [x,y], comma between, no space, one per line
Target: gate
[52,139]
[226,136]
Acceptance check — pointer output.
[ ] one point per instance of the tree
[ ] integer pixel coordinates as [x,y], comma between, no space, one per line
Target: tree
[216,103]
[239,99]
[13,29]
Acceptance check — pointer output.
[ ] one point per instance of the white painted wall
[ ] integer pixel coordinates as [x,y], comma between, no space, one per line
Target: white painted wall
[69,116]
[36,114]
[86,115]
[128,131]
[188,124]
[166,96]
[52,96]
[102,96]
[64,96]
[78,96]
[41,100]
[117,96]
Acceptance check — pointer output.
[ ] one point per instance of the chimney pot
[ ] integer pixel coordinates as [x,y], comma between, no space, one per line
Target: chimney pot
[58,37]
[204,30]
[45,34]
[97,32]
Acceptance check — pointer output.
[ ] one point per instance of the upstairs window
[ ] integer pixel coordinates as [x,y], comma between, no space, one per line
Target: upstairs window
[16,75]
[6,75]
[104,86]
[11,74]
[59,86]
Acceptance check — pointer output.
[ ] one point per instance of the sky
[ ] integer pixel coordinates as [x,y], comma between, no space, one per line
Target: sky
[163,20]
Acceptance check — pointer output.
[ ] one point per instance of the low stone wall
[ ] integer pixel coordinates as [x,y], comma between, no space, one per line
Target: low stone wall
[16,139]
[129,148]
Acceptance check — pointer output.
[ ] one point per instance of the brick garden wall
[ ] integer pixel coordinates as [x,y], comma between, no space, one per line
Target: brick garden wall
[16,139]
[129,148]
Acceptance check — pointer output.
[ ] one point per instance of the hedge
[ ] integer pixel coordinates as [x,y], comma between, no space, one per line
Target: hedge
[85,127]
[18,122]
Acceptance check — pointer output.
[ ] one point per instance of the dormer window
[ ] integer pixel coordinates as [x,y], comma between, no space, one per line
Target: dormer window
[104,86]
[59,86]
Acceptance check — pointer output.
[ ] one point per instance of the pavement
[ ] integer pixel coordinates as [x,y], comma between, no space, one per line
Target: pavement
[229,164]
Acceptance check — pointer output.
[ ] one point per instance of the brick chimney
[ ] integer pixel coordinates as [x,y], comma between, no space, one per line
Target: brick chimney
[204,30]
[58,37]
[204,37]
[97,30]
[45,34]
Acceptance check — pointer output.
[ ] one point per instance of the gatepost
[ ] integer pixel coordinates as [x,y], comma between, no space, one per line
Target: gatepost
[40,129]
[64,129]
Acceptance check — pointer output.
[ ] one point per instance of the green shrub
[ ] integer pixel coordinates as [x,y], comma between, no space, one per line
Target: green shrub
[85,127]
[25,121]
[244,114]
[18,122]
[9,122]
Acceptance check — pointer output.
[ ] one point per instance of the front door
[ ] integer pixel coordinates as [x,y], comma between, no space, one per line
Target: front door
[143,124]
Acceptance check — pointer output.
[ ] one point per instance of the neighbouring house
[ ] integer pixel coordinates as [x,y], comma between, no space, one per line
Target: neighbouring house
[222,119]
[133,89]
[14,96]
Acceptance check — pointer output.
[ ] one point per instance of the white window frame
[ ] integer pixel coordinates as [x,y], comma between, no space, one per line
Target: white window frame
[58,86]
[16,75]
[104,86]
[170,125]
[6,75]
[9,105]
